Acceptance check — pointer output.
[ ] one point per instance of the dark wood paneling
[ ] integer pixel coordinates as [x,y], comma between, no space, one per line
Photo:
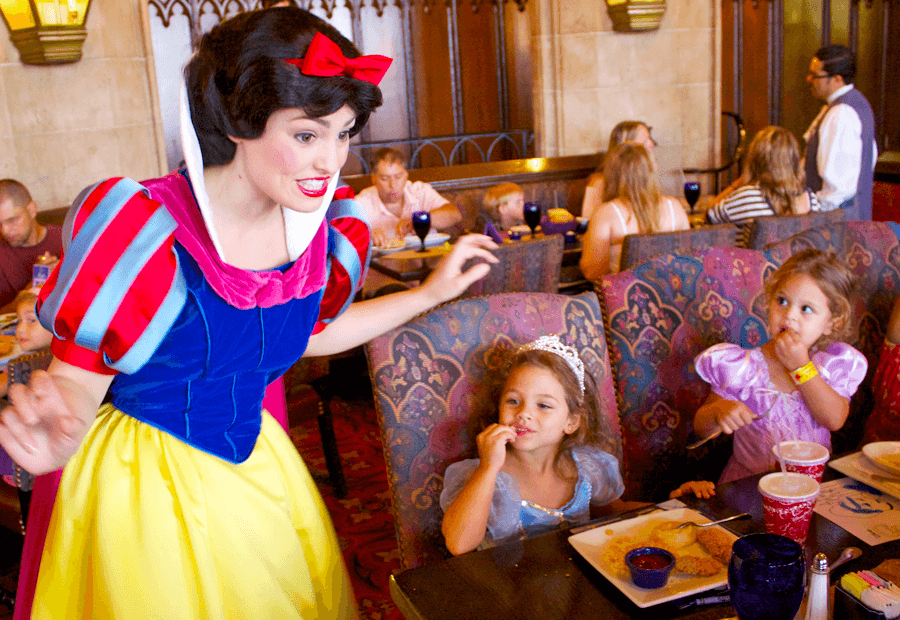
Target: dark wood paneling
[891,85]
[518,59]
[755,66]
[730,61]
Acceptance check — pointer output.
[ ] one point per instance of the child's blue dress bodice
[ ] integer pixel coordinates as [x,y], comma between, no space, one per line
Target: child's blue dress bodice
[513,518]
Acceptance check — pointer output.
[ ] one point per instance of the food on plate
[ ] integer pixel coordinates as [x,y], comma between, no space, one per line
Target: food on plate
[696,565]
[614,554]
[671,539]
[717,543]
[559,216]
[6,346]
[392,244]
[891,460]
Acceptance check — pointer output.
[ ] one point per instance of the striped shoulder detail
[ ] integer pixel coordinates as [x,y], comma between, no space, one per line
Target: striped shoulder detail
[119,288]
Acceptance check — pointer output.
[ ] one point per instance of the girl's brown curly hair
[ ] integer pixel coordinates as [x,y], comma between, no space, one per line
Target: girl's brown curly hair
[591,431]
[832,276]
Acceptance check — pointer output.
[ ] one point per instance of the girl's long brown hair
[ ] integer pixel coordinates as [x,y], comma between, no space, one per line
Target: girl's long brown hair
[628,174]
[774,163]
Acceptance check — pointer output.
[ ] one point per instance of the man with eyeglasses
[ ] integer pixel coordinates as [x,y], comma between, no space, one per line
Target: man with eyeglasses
[24,240]
[840,143]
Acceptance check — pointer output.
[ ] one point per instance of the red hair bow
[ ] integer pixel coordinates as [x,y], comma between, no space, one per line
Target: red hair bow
[325,59]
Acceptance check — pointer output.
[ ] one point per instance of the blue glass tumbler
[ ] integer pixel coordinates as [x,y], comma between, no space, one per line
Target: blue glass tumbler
[766,577]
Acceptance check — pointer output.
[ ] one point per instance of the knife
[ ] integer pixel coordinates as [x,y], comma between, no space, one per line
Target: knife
[616,518]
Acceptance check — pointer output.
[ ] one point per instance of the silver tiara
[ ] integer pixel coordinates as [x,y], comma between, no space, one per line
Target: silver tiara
[553,344]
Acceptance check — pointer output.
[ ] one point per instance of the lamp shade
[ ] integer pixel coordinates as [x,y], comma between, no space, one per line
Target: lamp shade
[636,15]
[46,31]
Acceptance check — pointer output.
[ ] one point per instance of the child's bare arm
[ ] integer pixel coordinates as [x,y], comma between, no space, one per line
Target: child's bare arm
[465,520]
[720,413]
[893,327]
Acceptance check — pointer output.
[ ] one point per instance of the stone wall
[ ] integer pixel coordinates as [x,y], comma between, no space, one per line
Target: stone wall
[64,127]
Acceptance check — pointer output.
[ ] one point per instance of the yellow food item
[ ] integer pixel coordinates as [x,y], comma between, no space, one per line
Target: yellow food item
[614,555]
[6,347]
[891,460]
[717,543]
[559,216]
[670,538]
[393,243]
[702,567]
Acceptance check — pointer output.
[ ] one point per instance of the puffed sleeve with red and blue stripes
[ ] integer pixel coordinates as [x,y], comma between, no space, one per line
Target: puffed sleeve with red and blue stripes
[118,289]
[349,252]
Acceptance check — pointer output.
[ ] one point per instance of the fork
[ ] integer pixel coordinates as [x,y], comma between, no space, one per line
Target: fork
[718,432]
[743,515]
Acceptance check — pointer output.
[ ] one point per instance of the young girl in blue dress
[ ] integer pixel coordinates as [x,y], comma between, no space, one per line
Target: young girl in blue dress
[796,386]
[185,297]
[544,454]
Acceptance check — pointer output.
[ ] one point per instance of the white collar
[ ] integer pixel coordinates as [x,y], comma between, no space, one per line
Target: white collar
[299,228]
[839,92]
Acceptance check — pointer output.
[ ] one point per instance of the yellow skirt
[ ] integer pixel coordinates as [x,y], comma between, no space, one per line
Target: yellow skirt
[146,526]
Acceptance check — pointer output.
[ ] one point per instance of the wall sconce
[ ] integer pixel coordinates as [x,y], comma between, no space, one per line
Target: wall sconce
[636,15]
[46,32]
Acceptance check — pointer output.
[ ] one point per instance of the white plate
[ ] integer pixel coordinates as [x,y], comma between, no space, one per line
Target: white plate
[592,543]
[874,451]
[860,467]
[432,239]
[383,251]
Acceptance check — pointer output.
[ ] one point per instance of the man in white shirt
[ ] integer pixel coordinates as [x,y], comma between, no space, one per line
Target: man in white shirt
[391,201]
[840,143]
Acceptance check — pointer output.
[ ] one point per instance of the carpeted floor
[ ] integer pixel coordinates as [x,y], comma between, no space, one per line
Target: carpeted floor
[363,519]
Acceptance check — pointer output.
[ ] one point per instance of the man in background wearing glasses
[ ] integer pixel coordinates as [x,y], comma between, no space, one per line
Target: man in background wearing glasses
[840,143]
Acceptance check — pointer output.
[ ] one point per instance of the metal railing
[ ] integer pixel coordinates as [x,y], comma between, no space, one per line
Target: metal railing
[448,150]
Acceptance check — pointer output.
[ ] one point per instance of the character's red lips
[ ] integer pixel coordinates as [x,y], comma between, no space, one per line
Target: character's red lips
[314,193]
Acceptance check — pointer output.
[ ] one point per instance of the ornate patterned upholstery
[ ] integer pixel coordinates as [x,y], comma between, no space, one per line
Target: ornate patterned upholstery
[529,266]
[872,251]
[642,247]
[425,375]
[764,231]
[660,315]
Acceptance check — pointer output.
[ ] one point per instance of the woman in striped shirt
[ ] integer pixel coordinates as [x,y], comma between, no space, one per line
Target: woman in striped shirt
[772,182]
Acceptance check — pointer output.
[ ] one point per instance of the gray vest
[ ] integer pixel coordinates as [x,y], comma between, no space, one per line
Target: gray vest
[861,209]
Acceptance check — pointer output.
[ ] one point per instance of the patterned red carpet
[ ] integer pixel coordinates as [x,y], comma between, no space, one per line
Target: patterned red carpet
[363,519]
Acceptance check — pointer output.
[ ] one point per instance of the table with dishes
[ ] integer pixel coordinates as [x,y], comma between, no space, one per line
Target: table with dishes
[574,574]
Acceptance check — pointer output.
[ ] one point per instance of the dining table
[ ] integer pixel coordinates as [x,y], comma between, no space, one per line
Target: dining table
[546,578]
[409,265]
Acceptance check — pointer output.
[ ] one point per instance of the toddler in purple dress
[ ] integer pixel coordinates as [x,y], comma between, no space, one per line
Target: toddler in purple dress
[796,386]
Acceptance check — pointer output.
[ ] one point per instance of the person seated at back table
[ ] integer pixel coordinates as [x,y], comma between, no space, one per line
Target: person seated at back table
[771,183]
[24,240]
[632,204]
[390,202]
[502,206]
[626,131]
[30,334]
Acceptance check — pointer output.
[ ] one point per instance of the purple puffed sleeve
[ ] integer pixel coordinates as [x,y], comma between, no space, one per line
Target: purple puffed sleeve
[842,367]
[733,372]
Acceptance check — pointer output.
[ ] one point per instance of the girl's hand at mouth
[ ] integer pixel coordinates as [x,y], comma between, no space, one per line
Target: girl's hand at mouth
[790,350]
[491,444]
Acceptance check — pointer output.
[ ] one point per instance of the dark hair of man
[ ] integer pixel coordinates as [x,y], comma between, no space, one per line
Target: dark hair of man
[266,4]
[15,192]
[387,155]
[238,78]
[838,60]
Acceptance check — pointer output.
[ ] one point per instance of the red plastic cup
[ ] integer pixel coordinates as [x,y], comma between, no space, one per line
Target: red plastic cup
[803,457]
[788,502]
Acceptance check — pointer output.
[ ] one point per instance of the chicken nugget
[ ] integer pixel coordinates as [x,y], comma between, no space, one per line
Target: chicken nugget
[701,567]
[717,543]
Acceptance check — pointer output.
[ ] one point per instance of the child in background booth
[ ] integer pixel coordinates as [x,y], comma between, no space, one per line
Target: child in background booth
[502,206]
[796,386]
[544,453]
[30,334]
[883,424]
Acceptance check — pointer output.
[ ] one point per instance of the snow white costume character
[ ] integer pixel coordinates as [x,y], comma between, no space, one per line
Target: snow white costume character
[185,297]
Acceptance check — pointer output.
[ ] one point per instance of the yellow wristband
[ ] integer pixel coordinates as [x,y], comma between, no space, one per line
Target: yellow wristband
[804,373]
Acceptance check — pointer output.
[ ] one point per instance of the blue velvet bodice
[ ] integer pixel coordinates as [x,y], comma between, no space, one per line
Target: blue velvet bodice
[205,382]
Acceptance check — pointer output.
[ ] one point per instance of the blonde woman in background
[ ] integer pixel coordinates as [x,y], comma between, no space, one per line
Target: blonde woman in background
[632,204]
[626,131]
[772,183]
